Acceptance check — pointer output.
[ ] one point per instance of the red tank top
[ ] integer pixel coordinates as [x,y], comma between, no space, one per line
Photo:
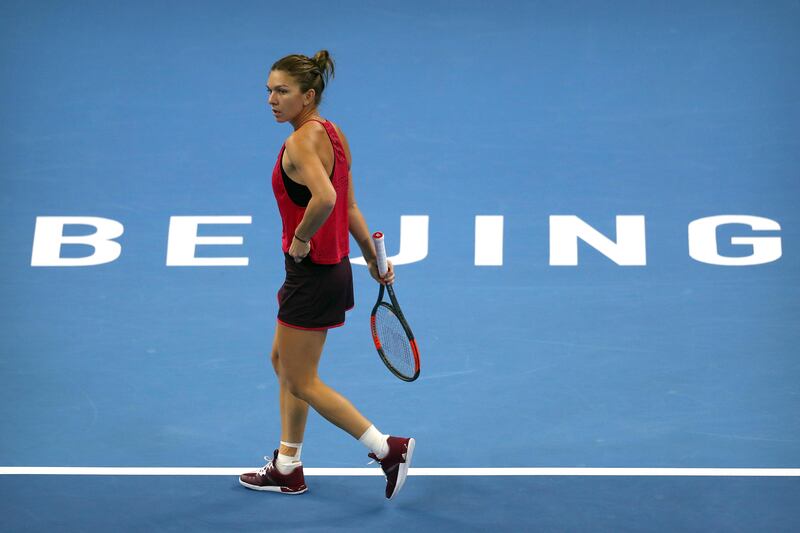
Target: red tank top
[331,243]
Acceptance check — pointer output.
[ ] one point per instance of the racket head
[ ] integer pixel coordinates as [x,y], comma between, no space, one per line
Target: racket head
[394,340]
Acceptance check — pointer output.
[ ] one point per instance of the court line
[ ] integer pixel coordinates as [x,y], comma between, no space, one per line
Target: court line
[235,471]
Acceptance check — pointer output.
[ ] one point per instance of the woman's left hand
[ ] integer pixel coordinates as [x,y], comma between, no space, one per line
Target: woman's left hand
[387,279]
[299,250]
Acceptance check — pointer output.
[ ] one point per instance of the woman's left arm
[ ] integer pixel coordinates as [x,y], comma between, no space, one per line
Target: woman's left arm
[358,226]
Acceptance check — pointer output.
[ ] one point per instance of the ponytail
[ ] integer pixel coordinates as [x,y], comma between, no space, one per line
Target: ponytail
[309,72]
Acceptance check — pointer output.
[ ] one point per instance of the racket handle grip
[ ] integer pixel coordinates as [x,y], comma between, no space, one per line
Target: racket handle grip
[380,253]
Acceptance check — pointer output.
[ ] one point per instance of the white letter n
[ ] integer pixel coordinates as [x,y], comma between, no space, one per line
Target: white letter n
[628,250]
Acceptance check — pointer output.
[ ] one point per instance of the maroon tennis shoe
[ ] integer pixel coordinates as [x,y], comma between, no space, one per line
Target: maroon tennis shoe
[396,463]
[269,478]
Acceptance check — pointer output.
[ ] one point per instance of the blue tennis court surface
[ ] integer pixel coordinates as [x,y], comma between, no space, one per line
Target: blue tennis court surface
[601,318]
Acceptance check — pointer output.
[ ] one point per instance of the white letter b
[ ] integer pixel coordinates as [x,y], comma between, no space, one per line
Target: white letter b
[49,236]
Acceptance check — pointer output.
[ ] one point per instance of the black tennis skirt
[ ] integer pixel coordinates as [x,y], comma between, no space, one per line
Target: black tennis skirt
[315,297]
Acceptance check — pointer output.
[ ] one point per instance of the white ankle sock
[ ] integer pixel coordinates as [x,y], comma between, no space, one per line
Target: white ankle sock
[376,441]
[287,463]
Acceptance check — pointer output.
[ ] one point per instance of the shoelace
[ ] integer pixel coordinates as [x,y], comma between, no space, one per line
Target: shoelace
[263,470]
[378,461]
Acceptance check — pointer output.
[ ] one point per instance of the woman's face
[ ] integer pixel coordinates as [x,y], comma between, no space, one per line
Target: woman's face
[285,97]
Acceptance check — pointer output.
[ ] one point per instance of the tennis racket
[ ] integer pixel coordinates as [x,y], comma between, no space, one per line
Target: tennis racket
[390,331]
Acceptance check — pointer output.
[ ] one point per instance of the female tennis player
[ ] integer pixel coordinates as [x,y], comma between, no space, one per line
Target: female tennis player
[314,190]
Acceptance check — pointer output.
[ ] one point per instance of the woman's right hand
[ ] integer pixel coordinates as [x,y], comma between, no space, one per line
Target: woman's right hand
[388,279]
[299,250]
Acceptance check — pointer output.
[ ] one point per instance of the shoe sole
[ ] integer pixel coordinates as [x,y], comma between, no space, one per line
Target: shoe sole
[282,490]
[403,468]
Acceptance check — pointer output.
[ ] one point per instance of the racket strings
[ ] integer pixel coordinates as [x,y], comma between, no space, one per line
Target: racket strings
[394,342]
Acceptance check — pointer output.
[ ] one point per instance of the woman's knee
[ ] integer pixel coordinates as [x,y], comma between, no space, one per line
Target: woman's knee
[300,387]
[276,362]
[275,357]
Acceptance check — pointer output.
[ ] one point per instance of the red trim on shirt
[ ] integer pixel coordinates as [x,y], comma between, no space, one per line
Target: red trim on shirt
[331,242]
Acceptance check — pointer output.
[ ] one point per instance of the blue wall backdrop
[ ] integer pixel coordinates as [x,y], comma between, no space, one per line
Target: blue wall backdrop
[675,111]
